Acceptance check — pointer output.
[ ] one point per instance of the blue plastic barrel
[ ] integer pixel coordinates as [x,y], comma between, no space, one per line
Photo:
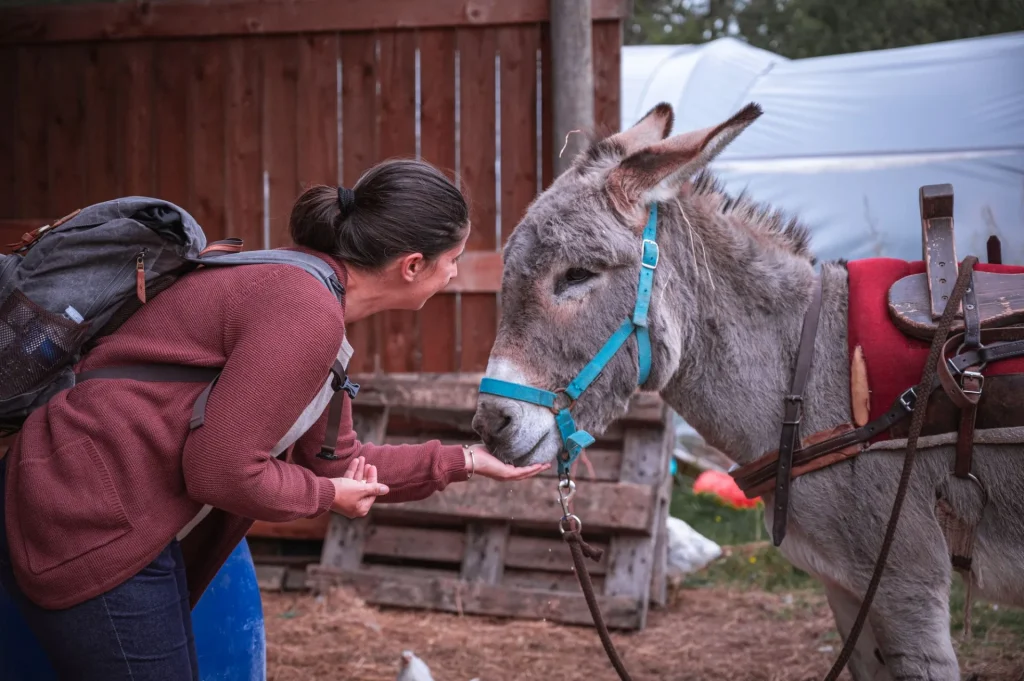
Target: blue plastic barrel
[227,623]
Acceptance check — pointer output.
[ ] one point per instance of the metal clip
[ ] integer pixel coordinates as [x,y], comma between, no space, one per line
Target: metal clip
[566,491]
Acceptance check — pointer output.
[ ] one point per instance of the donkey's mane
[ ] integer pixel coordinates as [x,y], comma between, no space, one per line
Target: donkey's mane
[787,231]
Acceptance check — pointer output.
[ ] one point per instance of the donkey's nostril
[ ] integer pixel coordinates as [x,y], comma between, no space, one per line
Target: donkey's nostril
[491,420]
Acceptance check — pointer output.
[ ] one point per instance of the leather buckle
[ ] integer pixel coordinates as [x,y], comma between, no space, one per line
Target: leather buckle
[646,254]
[976,376]
[909,399]
[798,402]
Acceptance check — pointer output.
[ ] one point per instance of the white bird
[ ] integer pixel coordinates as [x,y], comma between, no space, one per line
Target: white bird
[413,668]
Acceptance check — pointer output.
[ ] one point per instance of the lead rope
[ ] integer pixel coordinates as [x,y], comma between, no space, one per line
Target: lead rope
[924,391]
[579,548]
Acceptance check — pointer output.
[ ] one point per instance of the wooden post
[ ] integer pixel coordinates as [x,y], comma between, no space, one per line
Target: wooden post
[573,82]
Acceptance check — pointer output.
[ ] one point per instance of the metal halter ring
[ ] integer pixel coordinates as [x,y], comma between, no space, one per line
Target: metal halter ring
[569,401]
[972,478]
[572,519]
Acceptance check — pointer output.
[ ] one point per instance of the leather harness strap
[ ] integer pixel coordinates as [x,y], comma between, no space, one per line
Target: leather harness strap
[971,382]
[793,414]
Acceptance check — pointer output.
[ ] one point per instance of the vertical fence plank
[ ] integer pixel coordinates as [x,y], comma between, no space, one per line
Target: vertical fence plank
[102,176]
[244,120]
[280,92]
[30,154]
[607,40]
[206,120]
[400,351]
[317,107]
[65,113]
[477,48]
[437,146]
[359,151]
[8,135]
[172,122]
[135,102]
[547,124]
[518,46]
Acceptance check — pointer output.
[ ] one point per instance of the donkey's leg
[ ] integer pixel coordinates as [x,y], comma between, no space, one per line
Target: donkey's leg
[866,661]
[910,613]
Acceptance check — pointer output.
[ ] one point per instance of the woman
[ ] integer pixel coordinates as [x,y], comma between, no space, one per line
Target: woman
[109,495]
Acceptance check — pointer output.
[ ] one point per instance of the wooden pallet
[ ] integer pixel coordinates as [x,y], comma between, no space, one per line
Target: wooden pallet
[488,548]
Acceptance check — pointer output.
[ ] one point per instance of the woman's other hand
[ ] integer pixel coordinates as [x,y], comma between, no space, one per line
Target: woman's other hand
[482,462]
[357,489]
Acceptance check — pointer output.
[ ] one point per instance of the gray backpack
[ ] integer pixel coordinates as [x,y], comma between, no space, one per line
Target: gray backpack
[68,284]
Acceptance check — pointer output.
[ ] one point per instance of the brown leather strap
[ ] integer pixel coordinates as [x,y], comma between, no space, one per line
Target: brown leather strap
[229,245]
[965,442]
[793,414]
[972,319]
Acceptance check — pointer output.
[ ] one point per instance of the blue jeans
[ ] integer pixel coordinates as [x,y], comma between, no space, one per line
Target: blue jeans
[140,630]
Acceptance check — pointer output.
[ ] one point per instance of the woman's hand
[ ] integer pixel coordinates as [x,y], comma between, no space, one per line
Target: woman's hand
[357,489]
[482,462]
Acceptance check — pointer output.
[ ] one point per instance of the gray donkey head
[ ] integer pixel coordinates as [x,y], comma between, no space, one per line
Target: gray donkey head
[571,271]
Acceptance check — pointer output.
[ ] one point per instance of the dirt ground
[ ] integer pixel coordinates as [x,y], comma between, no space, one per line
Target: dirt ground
[704,634]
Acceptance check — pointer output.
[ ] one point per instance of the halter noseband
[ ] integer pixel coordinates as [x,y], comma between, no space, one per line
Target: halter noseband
[574,440]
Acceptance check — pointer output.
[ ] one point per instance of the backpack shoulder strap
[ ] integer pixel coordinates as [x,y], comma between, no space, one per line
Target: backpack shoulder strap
[221,253]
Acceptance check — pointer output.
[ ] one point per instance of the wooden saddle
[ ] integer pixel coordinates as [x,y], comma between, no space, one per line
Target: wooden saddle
[916,301]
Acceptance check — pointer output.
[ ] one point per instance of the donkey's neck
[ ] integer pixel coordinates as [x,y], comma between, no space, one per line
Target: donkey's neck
[742,296]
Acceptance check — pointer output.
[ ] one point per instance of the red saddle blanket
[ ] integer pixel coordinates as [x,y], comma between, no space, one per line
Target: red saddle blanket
[895,361]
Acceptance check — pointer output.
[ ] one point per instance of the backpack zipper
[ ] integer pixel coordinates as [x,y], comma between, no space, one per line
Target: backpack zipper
[140,271]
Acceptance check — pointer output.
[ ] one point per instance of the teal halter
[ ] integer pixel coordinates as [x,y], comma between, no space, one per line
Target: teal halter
[574,440]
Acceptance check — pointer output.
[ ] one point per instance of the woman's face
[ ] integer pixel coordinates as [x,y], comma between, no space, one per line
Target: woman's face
[422,279]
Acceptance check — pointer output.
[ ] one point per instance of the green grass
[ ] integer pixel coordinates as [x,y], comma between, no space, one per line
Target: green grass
[749,561]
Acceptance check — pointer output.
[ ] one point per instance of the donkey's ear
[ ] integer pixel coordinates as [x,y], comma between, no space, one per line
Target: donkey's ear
[651,129]
[675,159]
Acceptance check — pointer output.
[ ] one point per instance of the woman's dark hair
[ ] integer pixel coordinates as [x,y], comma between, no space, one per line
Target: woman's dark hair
[396,207]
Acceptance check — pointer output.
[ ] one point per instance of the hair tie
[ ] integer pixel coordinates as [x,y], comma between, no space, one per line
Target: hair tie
[347,201]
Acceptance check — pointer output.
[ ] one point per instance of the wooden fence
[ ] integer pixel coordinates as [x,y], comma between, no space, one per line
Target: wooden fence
[231,108]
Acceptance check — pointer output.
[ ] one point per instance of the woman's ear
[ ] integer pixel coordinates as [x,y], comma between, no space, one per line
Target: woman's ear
[411,266]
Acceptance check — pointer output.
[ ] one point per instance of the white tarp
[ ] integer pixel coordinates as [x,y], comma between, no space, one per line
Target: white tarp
[846,141]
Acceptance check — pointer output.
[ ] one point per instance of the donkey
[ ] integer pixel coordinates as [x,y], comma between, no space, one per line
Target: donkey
[730,292]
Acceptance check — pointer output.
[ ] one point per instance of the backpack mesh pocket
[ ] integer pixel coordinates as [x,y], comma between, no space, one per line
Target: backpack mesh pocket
[35,344]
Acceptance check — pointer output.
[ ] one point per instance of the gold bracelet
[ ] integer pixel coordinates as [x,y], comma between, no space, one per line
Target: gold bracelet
[472,460]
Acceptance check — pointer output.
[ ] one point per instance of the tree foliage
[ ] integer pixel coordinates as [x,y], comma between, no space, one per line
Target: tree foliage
[812,28]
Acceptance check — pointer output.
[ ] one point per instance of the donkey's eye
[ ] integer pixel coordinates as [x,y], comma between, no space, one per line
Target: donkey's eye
[576,275]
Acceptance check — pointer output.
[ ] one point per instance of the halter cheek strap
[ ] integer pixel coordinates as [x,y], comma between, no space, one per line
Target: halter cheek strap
[574,440]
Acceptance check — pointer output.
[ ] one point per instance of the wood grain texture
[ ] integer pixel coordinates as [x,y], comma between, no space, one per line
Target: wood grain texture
[359,152]
[8,134]
[280,93]
[400,349]
[244,149]
[484,559]
[518,46]
[1000,303]
[30,153]
[317,110]
[65,121]
[450,594]
[180,18]
[477,49]
[607,52]
[437,146]
[173,136]
[135,103]
[207,128]
[103,180]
